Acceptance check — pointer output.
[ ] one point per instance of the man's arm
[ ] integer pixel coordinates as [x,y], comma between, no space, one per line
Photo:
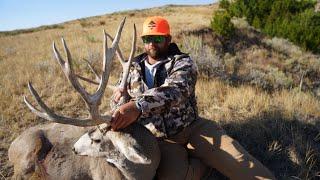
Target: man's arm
[178,86]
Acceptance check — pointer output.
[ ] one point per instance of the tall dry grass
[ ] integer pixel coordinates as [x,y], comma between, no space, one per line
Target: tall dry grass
[280,129]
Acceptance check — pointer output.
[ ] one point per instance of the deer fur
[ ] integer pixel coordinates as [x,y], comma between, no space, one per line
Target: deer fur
[45,151]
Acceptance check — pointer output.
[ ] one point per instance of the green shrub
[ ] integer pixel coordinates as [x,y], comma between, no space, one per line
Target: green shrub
[102,23]
[208,61]
[84,23]
[224,4]
[291,19]
[221,23]
[279,79]
[92,39]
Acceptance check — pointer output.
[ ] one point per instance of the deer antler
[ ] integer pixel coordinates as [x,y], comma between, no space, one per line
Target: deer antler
[126,65]
[93,70]
[92,101]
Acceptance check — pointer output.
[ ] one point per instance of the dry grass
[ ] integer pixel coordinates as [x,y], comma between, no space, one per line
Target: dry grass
[223,102]
[280,128]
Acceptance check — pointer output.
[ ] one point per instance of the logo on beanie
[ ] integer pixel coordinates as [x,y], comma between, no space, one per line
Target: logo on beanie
[152,25]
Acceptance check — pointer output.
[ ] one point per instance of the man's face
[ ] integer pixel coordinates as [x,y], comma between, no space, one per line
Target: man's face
[156,46]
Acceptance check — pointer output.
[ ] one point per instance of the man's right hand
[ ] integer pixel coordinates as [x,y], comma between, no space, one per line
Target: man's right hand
[118,93]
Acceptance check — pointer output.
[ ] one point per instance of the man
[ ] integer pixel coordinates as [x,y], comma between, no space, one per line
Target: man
[162,89]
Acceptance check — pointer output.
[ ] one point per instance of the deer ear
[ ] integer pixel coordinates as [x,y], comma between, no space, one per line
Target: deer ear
[135,156]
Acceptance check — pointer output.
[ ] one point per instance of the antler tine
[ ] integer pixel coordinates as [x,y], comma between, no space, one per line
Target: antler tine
[105,51]
[107,59]
[118,52]
[48,114]
[68,71]
[96,75]
[97,82]
[35,94]
[57,55]
[126,66]
[93,70]
[118,35]
[87,80]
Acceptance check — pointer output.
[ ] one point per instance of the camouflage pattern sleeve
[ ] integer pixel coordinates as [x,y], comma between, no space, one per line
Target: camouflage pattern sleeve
[176,89]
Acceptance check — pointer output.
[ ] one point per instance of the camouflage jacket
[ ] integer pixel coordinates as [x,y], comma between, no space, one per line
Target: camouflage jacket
[170,105]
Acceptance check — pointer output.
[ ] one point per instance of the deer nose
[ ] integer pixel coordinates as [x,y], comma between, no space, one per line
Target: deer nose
[74,151]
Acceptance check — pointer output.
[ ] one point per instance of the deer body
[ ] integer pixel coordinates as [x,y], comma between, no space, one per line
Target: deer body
[30,150]
[46,151]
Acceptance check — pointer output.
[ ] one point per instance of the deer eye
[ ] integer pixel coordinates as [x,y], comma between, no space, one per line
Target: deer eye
[96,140]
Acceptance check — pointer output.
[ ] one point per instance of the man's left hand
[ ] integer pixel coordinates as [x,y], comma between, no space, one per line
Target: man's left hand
[125,115]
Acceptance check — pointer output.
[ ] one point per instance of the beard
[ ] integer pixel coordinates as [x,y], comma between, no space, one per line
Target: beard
[155,53]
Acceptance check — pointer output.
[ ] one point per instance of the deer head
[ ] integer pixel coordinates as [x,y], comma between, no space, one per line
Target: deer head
[101,142]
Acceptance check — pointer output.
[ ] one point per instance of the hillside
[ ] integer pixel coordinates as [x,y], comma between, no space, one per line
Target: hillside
[264,91]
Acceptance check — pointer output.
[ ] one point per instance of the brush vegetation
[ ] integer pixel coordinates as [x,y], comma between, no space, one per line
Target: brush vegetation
[291,19]
[263,91]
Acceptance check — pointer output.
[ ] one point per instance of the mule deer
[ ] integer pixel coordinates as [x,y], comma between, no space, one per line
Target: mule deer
[133,151]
